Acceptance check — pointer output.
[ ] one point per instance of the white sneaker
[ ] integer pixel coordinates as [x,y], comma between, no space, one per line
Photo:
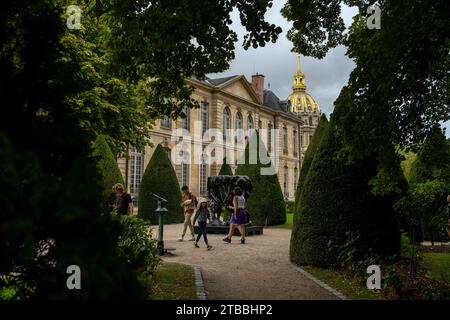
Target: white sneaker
[192,239]
[180,239]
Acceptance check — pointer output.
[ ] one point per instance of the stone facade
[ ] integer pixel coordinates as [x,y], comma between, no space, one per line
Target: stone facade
[241,104]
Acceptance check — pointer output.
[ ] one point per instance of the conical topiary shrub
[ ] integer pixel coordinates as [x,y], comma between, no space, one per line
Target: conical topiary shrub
[338,213]
[309,156]
[108,167]
[266,202]
[160,178]
[225,170]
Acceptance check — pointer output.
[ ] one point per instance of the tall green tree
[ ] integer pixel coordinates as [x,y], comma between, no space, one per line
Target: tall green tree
[160,178]
[225,170]
[309,156]
[425,204]
[62,88]
[266,202]
[399,88]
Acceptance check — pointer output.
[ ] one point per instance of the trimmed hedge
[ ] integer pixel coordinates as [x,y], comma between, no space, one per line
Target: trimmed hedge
[339,204]
[160,178]
[225,170]
[309,156]
[108,167]
[266,202]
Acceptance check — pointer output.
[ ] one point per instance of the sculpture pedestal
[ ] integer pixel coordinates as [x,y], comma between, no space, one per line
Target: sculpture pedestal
[224,229]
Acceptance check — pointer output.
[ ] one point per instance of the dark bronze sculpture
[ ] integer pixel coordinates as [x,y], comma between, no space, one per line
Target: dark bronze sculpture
[220,191]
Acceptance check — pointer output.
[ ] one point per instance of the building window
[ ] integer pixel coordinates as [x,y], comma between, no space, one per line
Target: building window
[269,137]
[285,141]
[310,139]
[166,123]
[238,127]
[204,116]
[184,174]
[295,178]
[226,122]
[249,122]
[286,182]
[310,121]
[136,167]
[301,139]
[259,124]
[294,135]
[203,176]
[185,124]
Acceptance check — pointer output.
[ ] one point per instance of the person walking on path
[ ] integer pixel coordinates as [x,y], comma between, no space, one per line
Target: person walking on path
[239,216]
[203,215]
[189,203]
[124,204]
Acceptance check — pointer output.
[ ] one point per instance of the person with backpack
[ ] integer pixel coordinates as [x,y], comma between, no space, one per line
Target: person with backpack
[239,217]
[202,215]
[189,203]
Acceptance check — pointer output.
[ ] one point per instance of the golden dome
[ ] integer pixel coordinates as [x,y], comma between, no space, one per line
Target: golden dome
[299,99]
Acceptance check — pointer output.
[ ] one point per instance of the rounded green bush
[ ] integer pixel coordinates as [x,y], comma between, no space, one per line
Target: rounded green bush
[337,201]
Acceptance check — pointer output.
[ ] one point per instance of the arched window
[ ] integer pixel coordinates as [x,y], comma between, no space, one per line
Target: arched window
[310,121]
[226,122]
[238,127]
[186,118]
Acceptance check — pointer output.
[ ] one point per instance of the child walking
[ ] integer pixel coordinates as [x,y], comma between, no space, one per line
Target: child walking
[203,215]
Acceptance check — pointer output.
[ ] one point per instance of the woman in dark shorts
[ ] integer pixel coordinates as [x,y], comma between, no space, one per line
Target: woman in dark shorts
[239,217]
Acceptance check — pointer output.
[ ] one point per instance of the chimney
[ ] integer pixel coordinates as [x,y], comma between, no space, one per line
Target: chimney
[258,86]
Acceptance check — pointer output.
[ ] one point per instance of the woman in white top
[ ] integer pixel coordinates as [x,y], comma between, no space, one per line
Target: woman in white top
[239,217]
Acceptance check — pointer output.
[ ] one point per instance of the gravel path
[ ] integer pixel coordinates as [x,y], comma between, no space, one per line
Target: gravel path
[260,269]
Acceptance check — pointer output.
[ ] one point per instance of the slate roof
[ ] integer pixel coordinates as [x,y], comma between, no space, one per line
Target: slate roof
[219,81]
[273,102]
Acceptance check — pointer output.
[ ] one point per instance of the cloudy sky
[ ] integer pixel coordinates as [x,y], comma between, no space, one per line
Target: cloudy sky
[324,78]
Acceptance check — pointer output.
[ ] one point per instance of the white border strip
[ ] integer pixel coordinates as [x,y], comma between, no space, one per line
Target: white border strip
[199,285]
[201,294]
[323,285]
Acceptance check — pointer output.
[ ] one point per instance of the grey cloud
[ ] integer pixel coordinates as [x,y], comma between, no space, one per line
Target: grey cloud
[324,78]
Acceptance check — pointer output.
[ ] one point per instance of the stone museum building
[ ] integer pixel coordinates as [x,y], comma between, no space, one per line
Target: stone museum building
[235,103]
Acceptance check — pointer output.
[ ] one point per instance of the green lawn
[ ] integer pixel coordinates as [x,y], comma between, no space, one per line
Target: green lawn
[438,265]
[174,281]
[288,224]
[350,288]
